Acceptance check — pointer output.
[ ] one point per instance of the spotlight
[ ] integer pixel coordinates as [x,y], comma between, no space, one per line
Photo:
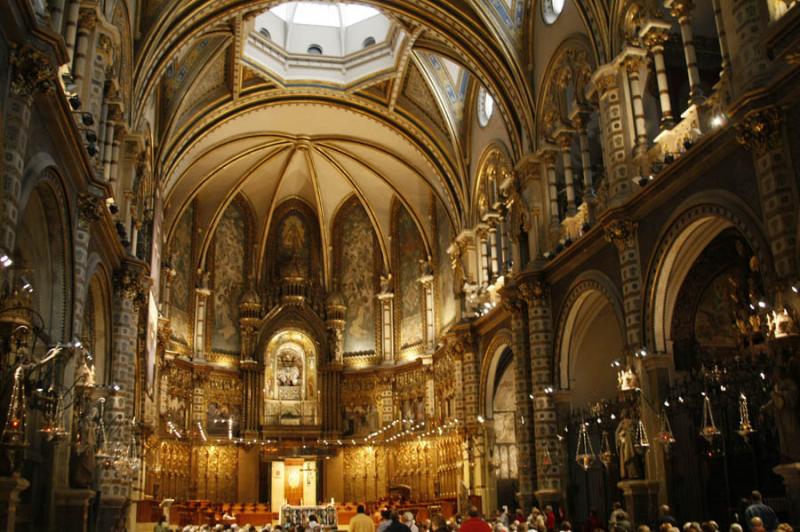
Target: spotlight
[5,260]
[795,289]
[26,286]
[718,120]
[87,119]
[75,102]
[91,137]
[91,149]
[762,304]
[480,419]
[115,387]
[113,208]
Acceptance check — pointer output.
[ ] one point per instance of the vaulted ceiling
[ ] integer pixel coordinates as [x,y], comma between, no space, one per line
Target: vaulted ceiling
[224,126]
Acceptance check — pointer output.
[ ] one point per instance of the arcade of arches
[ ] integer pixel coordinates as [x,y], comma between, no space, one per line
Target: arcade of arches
[279,257]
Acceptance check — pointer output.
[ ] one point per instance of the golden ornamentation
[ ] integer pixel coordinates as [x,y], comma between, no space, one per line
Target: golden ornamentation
[681,8]
[760,130]
[621,233]
[31,72]
[132,283]
[90,208]
[87,19]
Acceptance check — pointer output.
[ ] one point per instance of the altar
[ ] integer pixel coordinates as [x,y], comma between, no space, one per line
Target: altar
[298,515]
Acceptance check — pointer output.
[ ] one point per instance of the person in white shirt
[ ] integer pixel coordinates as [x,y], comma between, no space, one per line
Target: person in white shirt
[408,520]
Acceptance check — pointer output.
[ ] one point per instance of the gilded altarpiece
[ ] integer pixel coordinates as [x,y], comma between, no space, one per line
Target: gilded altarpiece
[408,253]
[363,408]
[291,390]
[182,286]
[357,262]
[172,473]
[365,472]
[175,397]
[223,395]
[229,274]
[215,472]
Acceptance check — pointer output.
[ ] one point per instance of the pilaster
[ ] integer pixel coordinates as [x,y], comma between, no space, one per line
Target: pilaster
[622,233]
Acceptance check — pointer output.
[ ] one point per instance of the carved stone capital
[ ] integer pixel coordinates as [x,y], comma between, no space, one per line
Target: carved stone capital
[681,8]
[90,208]
[655,39]
[621,233]
[760,130]
[87,19]
[533,291]
[31,71]
[132,283]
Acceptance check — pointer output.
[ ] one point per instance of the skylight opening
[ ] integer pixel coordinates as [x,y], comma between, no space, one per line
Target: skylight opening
[328,14]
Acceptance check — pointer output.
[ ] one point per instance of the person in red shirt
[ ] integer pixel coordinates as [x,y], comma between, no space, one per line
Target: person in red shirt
[550,516]
[475,523]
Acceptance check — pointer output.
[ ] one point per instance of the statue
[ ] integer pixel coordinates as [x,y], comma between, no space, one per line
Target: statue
[83,460]
[625,440]
[425,268]
[386,283]
[84,375]
[783,406]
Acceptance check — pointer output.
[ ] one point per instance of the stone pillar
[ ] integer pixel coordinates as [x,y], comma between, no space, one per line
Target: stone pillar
[654,35]
[251,400]
[540,328]
[622,234]
[119,133]
[131,288]
[387,326]
[31,72]
[10,488]
[549,159]
[87,21]
[682,10]
[750,64]
[72,509]
[108,139]
[71,28]
[524,422]
[565,143]
[633,60]
[723,38]
[56,10]
[641,499]
[464,344]
[605,84]
[761,131]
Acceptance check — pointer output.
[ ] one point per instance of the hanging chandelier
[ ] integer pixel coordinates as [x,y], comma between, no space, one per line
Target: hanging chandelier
[745,427]
[709,430]
[642,443]
[584,454]
[606,454]
[665,436]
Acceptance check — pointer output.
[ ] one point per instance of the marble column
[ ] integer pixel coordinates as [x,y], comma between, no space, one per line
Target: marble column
[87,22]
[387,326]
[613,132]
[580,121]
[682,10]
[565,143]
[723,38]
[201,299]
[540,329]
[654,35]
[549,159]
[633,61]
[71,28]
[623,234]
[750,64]
[426,282]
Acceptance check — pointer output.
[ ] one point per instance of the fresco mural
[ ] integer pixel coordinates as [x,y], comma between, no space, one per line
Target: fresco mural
[444,273]
[714,327]
[181,287]
[408,296]
[356,276]
[229,274]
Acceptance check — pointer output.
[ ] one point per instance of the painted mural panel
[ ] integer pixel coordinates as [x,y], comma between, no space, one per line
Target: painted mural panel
[409,252]
[447,301]
[357,278]
[181,288]
[229,272]
[294,257]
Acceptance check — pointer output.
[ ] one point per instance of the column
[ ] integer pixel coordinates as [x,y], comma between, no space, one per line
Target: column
[605,85]
[494,256]
[654,35]
[387,326]
[761,132]
[565,142]
[71,28]
[633,59]
[540,328]
[130,282]
[108,140]
[750,64]
[87,21]
[622,233]
[682,10]
[580,120]
[56,10]
[524,422]
[549,158]
[249,317]
[201,298]
[10,489]
[32,72]
[430,324]
[723,38]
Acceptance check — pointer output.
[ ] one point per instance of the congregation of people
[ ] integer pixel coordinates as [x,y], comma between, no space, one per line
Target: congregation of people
[757,517]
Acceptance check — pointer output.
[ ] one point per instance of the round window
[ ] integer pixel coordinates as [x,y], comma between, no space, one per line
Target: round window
[485,107]
[551,9]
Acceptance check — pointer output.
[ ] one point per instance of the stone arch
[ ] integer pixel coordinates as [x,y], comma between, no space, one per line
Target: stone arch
[489,364]
[97,311]
[493,168]
[695,224]
[593,305]
[45,239]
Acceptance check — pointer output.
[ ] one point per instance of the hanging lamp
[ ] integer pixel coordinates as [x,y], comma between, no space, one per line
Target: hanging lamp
[745,427]
[584,454]
[642,443]
[606,454]
[665,435]
[709,430]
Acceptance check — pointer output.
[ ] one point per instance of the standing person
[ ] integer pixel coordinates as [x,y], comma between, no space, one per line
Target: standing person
[475,523]
[758,509]
[408,520]
[550,518]
[438,523]
[396,525]
[361,522]
[386,520]
[665,516]
[161,526]
[504,517]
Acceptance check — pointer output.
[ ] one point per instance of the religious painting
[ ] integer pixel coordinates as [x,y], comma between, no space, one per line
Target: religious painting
[181,287]
[447,301]
[222,419]
[409,251]
[356,253]
[714,319]
[229,272]
[293,256]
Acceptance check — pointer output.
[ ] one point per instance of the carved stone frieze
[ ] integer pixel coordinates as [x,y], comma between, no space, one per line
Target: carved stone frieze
[760,130]
[621,233]
[32,71]
[90,208]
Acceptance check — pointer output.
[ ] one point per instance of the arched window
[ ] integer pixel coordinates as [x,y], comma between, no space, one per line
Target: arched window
[265,33]
[485,107]
[369,41]
[551,9]
[315,49]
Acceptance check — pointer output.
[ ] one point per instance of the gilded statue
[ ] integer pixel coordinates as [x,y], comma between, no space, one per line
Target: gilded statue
[628,459]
